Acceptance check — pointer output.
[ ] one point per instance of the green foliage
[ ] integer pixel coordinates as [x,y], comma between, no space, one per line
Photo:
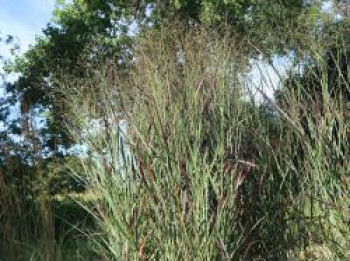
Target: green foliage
[212,175]
[84,33]
[36,226]
[327,66]
[198,170]
[61,176]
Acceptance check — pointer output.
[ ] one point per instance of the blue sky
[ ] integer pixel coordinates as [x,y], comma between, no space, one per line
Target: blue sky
[25,19]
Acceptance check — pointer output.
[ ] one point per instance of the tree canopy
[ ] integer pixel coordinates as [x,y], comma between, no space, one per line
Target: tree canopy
[84,32]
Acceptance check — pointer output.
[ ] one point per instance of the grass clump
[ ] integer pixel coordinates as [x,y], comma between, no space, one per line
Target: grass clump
[188,167]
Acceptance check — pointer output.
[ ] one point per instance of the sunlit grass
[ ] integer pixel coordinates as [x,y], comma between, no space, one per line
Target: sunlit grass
[207,174]
[184,165]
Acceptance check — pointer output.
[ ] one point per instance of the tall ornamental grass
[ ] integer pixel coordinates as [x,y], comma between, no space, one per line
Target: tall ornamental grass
[186,166]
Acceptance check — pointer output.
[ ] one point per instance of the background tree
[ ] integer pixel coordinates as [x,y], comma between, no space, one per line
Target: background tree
[86,32]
